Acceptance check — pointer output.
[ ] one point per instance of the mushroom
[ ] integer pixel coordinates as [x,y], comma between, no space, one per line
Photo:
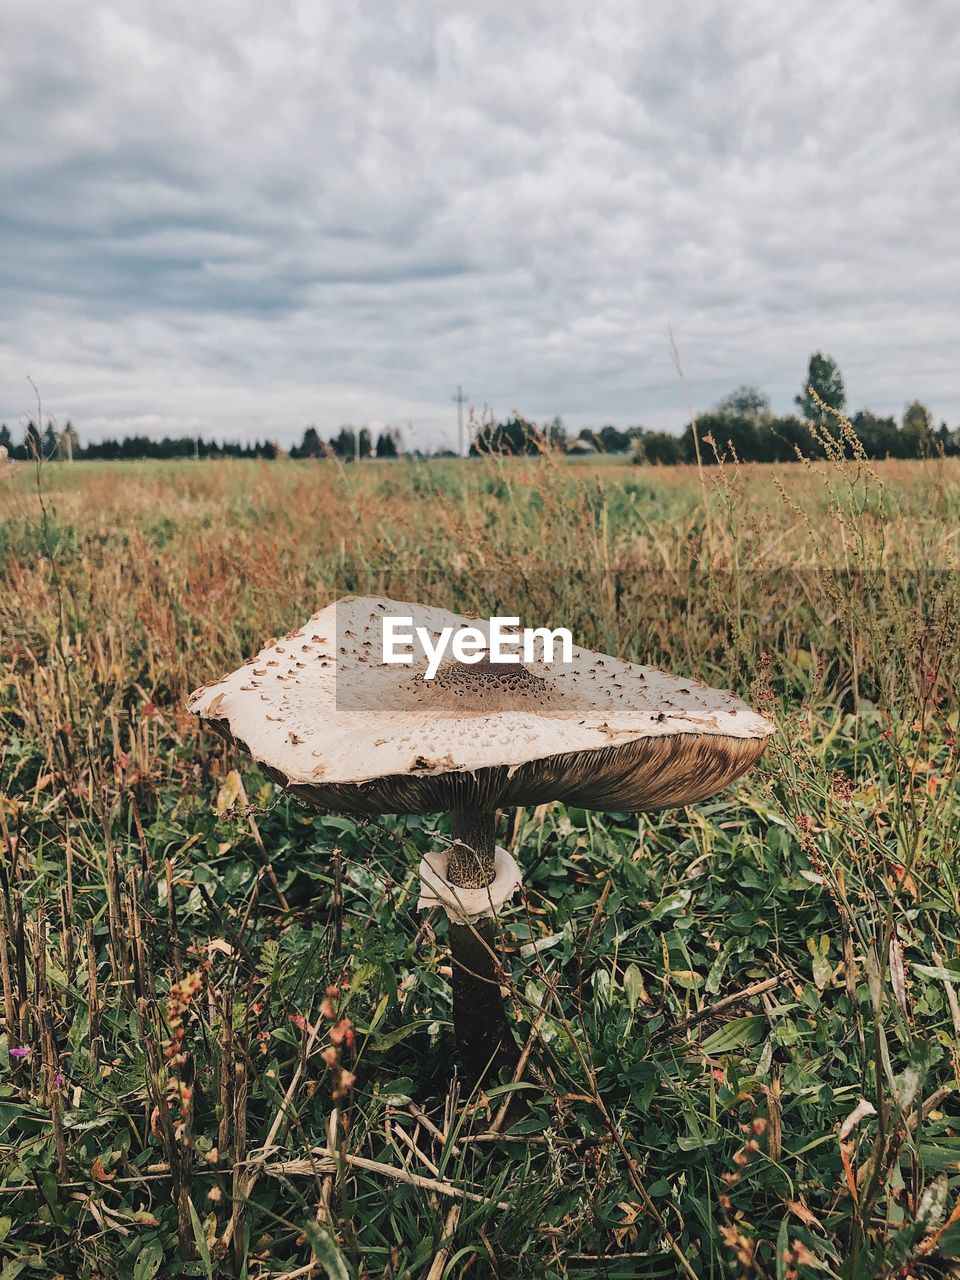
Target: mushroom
[341,729]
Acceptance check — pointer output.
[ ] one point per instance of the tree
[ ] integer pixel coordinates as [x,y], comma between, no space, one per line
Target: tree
[608,439]
[516,436]
[388,443]
[557,434]
[947,442]
[745,402]
[823,378]
[726,433]
[918,430]
[51,441]
[613,440]
[658,447]
[6,439]
[880,437]
[32,442]
[344,444]
[311,446]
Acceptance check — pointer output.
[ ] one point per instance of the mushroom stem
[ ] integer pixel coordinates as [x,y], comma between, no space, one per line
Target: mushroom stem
[485,1043]
[471,862]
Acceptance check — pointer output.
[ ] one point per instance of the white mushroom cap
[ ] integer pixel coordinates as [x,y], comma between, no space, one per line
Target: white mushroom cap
[341,729]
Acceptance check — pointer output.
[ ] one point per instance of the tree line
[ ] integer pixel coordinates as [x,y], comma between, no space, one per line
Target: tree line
[55,444]
[742,425]
[63,444]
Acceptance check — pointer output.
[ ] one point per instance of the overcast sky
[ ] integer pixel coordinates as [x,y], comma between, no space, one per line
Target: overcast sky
[242,218]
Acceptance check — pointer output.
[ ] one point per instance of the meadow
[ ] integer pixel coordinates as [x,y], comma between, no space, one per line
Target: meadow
[227,1046]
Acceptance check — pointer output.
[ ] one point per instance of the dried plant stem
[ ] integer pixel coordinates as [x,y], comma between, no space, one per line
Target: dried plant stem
[522,1063]
[262,849]
[324,1215]
[718,1007]
[244,1189]
[443,1253]
[424,1159]
[176,960]
[321,1160]
[93,1002]
[419,1114]
[9,1009]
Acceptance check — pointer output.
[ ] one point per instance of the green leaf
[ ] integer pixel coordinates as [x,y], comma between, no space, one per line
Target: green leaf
[535,1123]
[633,986]
[949,1244]
[822,968]
[148,1260]
[328,1254]
[712,983]
[382,1043]
[670,905]
[937,971]
[741,1033]
[783,1242]
[201,1239]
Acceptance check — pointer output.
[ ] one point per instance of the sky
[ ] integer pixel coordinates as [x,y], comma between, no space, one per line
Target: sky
[238,219]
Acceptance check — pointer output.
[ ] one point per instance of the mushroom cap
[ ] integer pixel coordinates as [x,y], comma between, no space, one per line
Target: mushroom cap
[340,729]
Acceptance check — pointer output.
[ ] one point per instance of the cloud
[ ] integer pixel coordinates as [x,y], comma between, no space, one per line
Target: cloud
[238,219]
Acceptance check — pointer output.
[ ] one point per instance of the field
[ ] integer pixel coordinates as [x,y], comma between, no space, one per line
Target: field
[743,1017]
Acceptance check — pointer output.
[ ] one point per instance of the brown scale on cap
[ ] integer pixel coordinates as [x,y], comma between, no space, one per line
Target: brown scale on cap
[485,687]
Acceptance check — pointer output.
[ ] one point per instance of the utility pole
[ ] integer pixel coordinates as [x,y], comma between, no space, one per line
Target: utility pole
[459,399]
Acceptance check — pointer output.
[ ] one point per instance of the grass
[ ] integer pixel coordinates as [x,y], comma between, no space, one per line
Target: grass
[208,990]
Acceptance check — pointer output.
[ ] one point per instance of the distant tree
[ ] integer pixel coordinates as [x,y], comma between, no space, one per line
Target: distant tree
[917,430]
[6,439]
[946,441]
[786,437]
[388,443]
[823,377]
[366,444]
[880,437]
[515,437]
[51,441]
[557,434]
[727,433]
[745,402]
[749,438]
[311,446]
[608,439]
[344,444]
[581,445]
[32,441]
[658,447]
[613,440]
